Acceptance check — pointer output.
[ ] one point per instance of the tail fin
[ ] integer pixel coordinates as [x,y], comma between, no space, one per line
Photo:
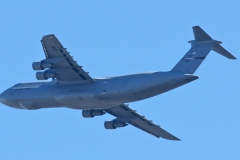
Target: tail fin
[200,48]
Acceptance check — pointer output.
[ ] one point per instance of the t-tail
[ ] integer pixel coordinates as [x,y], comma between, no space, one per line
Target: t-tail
[200,48]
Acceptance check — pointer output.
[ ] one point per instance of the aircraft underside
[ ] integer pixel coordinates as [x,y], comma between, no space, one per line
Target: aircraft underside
[74,88]
[105,93]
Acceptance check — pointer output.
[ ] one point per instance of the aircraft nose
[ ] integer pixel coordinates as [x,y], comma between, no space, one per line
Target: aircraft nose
[3,97]
[7,100]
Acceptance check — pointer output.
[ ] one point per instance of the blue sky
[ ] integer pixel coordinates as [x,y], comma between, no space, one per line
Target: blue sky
[110,38]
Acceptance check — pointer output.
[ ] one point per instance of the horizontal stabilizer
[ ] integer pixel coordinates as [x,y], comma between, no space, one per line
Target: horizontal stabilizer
[199,50]
[219,49]
[200,34]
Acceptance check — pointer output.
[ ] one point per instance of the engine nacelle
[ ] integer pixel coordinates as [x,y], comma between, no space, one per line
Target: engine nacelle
[45,75]
[41,65]
[114,124]
[91,113]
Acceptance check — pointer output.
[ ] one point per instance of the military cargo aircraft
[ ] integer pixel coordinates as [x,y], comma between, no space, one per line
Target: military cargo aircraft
[72,87]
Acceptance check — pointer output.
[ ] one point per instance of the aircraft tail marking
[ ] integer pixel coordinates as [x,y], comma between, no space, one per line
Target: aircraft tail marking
[199,50]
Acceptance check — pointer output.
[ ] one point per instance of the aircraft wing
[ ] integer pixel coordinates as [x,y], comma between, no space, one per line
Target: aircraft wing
[63,64]
[127,115]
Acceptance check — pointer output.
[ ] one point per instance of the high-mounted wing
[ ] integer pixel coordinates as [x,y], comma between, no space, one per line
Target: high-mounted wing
[60,63]
[125,115]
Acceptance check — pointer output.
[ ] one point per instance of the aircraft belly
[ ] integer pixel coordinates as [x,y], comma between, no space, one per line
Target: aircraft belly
[155,90]
[80,98]
[162,86]
[93,95]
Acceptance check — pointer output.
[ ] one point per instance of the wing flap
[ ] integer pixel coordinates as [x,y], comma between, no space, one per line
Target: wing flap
[121,111]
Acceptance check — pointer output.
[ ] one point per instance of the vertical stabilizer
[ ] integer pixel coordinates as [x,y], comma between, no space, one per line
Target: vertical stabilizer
[199,50]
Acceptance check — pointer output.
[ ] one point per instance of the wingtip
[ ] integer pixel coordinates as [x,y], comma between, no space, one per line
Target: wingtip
[233,57]
[175,139]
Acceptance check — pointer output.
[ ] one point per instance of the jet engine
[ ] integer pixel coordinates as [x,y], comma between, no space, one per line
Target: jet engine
[114,124]
[92,113]
[45,75]
[41,65]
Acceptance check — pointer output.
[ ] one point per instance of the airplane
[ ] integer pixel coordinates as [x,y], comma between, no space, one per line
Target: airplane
[73,88]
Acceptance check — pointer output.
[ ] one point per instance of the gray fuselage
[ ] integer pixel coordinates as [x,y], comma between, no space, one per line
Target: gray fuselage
[102,93]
